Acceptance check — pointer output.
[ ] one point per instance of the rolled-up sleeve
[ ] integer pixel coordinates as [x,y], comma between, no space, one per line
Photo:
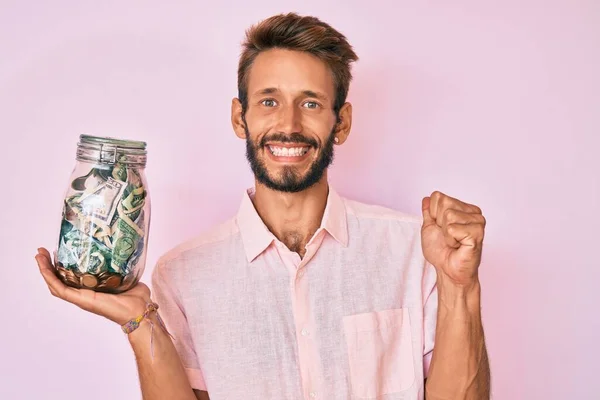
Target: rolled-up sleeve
[166,295]
[430,308]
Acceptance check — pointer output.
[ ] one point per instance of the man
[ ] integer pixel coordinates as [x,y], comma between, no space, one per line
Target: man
[305,294]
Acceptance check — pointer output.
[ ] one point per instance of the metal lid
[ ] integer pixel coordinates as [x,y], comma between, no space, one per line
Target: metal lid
[107,150]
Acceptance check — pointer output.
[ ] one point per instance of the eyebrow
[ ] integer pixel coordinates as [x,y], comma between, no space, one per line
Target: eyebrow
[308,93]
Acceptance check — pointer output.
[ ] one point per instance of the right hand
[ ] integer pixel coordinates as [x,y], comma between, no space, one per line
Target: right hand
[118,308]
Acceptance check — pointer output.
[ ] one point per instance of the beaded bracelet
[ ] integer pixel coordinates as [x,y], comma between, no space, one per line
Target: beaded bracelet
[134,323]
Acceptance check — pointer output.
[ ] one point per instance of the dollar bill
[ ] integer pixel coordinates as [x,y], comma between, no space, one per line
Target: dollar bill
[119,172]
[92,179]
[67,254]
[81,252]
[139,251]
[134,199]
[125,240]
[96,257]
[133,202]
[101,202]
[134,178]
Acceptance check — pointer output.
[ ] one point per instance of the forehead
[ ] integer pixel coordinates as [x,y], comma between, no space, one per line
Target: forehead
[290,71]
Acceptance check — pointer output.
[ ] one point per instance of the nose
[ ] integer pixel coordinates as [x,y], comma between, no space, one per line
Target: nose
[289,120]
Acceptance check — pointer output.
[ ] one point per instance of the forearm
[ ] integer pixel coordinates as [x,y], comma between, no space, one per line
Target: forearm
[459,368]
[164,376]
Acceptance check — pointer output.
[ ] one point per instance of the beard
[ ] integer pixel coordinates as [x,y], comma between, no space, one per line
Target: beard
[290,180]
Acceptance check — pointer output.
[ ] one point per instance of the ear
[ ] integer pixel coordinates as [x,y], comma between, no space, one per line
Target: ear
[237,119]
[345,123]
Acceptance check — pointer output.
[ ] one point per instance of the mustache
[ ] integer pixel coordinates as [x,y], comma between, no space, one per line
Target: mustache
[291,138]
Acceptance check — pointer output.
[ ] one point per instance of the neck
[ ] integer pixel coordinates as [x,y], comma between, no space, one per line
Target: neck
[292,217]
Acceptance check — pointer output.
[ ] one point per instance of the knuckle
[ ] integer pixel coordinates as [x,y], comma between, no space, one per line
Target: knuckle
[481,231]
[450,215]
[451,228]
[436,196]
[445,201]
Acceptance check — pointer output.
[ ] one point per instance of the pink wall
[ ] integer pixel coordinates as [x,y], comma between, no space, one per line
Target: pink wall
[495,104]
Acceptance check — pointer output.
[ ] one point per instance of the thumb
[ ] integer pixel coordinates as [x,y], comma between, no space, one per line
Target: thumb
[427,219]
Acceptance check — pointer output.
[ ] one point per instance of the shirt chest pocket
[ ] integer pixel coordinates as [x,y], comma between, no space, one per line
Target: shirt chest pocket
[380,352]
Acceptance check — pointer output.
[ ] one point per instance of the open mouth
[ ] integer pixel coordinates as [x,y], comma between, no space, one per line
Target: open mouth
[281,151]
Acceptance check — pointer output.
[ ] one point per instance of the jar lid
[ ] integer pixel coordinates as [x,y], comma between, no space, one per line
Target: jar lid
[108,150]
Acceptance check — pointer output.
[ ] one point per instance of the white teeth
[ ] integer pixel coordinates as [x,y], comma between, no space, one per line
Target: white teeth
[287,151]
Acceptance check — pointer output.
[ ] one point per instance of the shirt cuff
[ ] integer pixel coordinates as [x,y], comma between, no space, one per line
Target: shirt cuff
[426,362]
[196,379]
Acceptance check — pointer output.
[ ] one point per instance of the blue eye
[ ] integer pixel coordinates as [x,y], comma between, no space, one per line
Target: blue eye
[268,103]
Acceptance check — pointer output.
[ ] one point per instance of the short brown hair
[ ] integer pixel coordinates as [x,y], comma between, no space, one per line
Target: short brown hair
[301,33]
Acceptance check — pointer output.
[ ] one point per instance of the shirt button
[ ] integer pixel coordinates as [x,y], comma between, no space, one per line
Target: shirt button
[304,332]
[300,274]
[313,395]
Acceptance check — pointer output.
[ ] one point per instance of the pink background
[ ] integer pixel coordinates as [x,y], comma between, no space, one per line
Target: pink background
[495,103]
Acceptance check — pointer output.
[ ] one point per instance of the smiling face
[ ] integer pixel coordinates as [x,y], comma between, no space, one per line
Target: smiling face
[290,123]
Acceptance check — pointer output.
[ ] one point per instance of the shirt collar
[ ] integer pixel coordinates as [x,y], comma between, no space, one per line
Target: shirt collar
[256,237]
[334,218]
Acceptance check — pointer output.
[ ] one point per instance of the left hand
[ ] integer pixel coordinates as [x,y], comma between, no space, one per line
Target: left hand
[452,237]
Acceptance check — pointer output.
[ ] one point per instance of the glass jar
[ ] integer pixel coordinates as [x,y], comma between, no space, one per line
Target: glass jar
[106,216]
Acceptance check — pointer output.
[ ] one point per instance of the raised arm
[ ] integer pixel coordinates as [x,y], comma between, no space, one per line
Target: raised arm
[452,240]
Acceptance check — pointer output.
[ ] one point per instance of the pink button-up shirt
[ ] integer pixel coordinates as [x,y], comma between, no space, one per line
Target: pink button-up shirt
[354,319]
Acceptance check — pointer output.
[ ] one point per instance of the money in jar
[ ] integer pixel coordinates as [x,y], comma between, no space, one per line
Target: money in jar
[105,220]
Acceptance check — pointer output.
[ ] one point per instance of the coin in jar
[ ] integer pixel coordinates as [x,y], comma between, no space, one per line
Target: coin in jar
[61,272]
[71,278]
[89,280]
[112,282]
[102,276]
